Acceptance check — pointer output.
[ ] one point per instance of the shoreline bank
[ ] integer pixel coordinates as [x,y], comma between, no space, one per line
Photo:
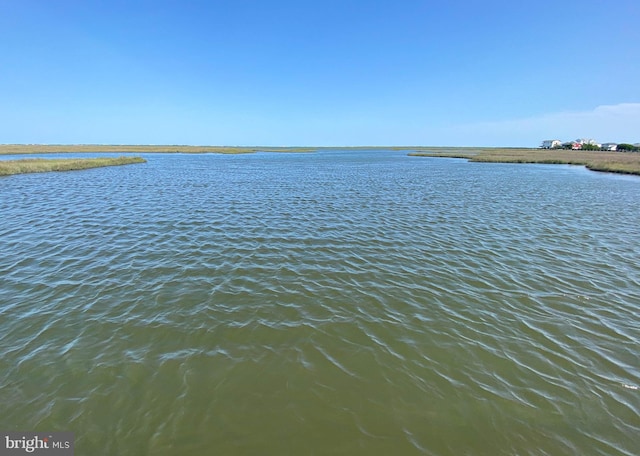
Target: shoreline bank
[20,149]
[43,165]
[610,162]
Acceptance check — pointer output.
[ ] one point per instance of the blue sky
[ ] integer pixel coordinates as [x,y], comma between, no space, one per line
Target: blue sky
[324,73]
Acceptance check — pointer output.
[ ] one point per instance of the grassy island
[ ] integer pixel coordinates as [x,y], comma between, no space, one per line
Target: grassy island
[41,165]
[9,149]
[612,162]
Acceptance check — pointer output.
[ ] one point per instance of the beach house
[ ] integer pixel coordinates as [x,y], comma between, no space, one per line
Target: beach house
[550,143]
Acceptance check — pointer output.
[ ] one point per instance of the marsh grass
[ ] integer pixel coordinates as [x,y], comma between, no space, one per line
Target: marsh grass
[614,162]
[10,149]
[41,165]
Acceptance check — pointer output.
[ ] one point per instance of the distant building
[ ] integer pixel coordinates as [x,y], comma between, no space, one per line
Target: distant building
[551,143]
[609,146]
[591,142]
[576,145]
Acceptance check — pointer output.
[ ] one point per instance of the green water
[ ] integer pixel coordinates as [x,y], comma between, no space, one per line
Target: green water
[341,302]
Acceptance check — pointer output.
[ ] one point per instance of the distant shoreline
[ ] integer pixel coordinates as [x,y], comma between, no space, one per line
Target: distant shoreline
[610,162]
[19,149]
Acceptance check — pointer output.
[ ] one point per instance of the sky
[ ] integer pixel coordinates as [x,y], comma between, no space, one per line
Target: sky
[319,73]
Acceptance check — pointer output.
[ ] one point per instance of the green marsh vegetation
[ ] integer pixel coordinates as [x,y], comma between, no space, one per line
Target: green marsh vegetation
[41,165]
[613,162]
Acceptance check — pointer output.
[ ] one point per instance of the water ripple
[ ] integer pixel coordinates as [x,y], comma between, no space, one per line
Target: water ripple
[339,302]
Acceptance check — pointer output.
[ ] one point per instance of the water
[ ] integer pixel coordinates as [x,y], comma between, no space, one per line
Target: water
[341,302]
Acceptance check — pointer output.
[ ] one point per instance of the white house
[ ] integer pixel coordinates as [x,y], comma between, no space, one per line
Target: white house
[609,146]
[550,143]
[591,142]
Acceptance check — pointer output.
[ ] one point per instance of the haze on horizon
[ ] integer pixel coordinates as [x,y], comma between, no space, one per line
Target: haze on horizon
[331,73]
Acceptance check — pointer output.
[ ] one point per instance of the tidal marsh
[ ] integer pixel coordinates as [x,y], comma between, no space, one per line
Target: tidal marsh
[9,149]
[613,162]
[41,165]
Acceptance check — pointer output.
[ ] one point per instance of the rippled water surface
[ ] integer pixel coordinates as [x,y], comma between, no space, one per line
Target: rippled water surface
[340,302]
